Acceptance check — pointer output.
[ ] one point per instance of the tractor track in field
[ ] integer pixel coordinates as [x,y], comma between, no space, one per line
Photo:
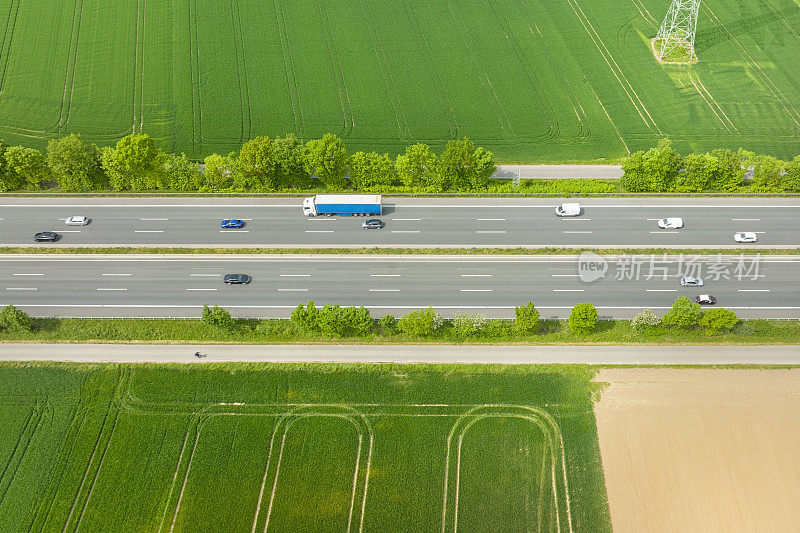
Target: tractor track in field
[338,74]
[9,471]
[289,70]
[8,37]
[237,23]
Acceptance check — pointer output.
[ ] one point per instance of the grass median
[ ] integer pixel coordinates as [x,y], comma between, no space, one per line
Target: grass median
[277,331]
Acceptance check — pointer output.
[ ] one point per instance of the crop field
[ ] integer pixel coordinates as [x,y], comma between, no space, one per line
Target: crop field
[532,80]
[298,448]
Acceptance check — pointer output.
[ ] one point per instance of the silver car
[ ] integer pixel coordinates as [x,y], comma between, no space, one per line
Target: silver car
[77,221]
[670,223]
[745,236]
[691,281]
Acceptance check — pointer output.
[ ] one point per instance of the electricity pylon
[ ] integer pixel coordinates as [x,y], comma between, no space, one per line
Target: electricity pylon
[678,28]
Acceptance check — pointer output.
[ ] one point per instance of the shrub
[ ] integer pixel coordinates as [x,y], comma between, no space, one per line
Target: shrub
[306,317]
[717,319]
[335,321]
[468,324]
[527,318]
[684,314]
[388,325]
[13,319]
[420,323]
[645,319]
[583,318]
[218,318]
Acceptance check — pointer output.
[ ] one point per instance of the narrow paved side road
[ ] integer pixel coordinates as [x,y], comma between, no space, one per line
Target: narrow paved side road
[176,353]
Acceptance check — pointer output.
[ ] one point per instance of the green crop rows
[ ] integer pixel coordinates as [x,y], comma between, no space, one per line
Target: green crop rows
[531,80]
[248,447]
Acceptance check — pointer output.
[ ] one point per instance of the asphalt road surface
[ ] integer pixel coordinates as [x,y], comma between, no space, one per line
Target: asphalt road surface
[527,172]
[438,222]
[596,355]
[179,286]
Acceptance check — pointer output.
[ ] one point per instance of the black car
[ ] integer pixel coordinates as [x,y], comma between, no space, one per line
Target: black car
[705,299]
[237,279]
[372,223]
[46,236]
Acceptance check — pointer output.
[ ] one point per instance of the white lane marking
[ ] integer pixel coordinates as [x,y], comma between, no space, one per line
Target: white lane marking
[760,232]
[385,275]
[576,232]
[487,219]
[246,219]
[28,274]
[204,275]
[319,231]
[746,219]
[70,231]
[479,231]
[654,219]
[21,288]
[116,274]
[661,290]
[754,290]
[148,231]
[163,219]
[565,275]
[407,219]
[293,290]
[111,289]
[234,231]
[576,219]
[295,275]
[476,275]
[476,290]
[201,289]
[321,219]
[662,232]
[384,290]
[405,231]
[567,290]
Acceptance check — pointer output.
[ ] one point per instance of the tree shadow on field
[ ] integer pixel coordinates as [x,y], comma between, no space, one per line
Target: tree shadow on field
[750,24]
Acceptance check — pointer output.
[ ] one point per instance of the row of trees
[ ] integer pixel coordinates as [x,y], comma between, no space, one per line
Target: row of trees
[686,314]
[662,169]
[262,165]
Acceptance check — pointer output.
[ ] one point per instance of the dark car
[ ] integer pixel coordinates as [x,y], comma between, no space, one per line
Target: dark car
[372,223]
[46,236]
[232,223]
[237,279]
[705,299]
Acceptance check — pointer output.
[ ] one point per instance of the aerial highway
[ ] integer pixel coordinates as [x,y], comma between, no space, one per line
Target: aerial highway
[97,285]
[409,222]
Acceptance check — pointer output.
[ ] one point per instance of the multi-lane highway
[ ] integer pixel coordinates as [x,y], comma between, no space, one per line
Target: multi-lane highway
[178,286]
[410,222]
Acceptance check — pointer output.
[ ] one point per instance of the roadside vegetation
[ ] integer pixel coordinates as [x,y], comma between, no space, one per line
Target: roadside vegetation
[684,323]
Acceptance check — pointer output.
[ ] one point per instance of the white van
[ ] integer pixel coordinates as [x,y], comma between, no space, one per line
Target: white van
[568,210]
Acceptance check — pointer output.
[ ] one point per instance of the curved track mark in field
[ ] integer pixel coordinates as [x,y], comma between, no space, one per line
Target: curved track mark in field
[553,126]
[8,36]
[194,74]
[238,73]
[246,136]
[288,68]
[794,115]
[425,51]
[74,68]
[386,72]
[501,115]
[336,65]
[75,15]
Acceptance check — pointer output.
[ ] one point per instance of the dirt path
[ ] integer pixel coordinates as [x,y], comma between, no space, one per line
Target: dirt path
[701,450]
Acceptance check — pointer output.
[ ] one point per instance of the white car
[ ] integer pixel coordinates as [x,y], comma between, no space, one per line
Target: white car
[691,281]
[572,209]
[77,221]
[670,223]
[745,236]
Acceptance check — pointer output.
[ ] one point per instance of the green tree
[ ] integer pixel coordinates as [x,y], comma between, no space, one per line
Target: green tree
[220,172]
[634,175]
[257,165]
[290,157]
[527,320]
[327,159]
[388,324]
[466,324]
[335,321]
[655,170]
[181,174]
[218,318]
[717,319]
[684,314]
[583,318]
[768,173]
[75,164]
[645,319]
[730,171]
[464,167]
[28,164]
[9,180]
[417,166]
[420,323]
[118,179]
[13,319]
[369,171]
[791,181]
[306,317]
[699,171]
[137,156]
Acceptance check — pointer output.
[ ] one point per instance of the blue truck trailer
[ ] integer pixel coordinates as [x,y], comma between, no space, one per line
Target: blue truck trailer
[343,205]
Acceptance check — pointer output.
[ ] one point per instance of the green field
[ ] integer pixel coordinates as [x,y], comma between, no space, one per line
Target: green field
[532,80]
[299,448]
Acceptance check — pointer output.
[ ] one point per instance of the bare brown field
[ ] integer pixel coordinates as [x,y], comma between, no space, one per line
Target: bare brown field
[701,450]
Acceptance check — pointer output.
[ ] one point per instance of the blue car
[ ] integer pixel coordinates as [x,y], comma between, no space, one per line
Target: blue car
[232,224]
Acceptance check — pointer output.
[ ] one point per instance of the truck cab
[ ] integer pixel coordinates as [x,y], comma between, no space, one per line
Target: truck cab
[309,209]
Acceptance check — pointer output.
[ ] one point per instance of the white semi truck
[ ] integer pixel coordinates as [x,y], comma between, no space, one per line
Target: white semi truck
[343,205]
